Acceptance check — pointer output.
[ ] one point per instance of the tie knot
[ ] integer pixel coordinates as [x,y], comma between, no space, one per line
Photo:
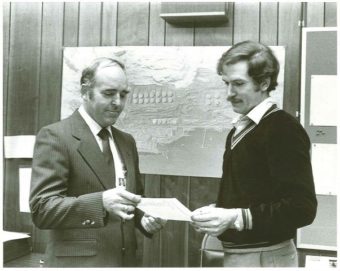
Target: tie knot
[104,134]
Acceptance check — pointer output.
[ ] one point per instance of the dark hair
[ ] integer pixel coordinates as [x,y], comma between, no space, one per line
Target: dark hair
[261,61]
[88,75]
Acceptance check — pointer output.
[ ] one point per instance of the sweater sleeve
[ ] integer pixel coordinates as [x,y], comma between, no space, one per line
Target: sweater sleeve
[288,159]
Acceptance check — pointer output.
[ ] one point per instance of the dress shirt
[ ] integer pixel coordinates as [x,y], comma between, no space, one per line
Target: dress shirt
[95,129]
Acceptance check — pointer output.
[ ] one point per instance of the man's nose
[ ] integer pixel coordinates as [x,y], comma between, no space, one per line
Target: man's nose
[230,91]
[116,99]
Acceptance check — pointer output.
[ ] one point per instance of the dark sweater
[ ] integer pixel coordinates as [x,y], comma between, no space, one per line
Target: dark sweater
[269,171]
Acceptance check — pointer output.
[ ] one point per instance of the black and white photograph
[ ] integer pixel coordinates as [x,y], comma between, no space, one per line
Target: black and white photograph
[170,134]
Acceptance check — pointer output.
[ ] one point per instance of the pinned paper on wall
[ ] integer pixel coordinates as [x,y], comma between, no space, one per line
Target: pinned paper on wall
[322,107]
[19,146]
[24,189]
[324,161]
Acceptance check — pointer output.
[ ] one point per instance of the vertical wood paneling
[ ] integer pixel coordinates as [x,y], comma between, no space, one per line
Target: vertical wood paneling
[23,81]
[71,19]
[179,35]
[157,25]
[268,25]
[216,34]
[133,23]
[151,247]
[247,21]
[203,191]
[51,60]
[331,13]
[315,14]
[6,13]
[90,23]
[109,27]
[174,235]
[289,36]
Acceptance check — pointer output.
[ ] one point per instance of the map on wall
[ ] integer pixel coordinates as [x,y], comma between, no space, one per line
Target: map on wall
[176,110]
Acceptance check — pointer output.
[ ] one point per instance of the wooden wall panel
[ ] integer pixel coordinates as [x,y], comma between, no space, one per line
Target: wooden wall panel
[268,24]
[51,60]
[315,14]
[133,23]
[246,21]
[90,23]
[152,247]
[289,36]
[109,25]
[331,14]
[157,25]
[216,34]
[71,23]
[203,191]
[175,233]
[24,66]
[179,35]
[6,14]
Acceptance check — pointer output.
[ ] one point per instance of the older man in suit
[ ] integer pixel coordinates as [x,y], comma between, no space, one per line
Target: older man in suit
[86,180]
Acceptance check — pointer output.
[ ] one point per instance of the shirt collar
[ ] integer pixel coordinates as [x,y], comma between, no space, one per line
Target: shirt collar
[258,111]
[93,125]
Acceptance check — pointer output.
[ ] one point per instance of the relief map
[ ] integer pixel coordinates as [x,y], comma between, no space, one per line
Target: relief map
[176,109]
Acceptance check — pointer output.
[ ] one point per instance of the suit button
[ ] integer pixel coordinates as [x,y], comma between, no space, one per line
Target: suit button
[83,223]
[87,222]
[92,222]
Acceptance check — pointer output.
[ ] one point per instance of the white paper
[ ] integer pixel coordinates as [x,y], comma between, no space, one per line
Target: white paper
[19,146]
[324,163]
[323,105]
[24,189]
[166,208]
[9,235]
[320,262]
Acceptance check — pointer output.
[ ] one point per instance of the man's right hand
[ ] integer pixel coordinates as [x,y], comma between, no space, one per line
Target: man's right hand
[120,202]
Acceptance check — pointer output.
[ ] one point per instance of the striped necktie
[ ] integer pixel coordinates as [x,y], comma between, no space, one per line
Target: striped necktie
[241,124]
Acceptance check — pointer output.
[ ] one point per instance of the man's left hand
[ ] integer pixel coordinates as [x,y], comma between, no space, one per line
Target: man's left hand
[153,224]
[213,221]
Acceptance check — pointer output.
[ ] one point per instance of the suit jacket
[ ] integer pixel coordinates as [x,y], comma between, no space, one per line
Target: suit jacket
[68,179]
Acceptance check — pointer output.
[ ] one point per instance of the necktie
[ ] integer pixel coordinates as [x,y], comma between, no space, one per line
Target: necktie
[104,134]
[241,124]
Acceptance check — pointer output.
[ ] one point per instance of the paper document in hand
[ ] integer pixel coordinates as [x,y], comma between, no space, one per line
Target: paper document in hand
[166,208]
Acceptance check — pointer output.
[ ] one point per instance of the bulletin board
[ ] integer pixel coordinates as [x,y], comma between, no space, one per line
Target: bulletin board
[319,87]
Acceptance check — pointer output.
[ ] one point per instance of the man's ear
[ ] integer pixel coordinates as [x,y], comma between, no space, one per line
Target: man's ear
[265,84]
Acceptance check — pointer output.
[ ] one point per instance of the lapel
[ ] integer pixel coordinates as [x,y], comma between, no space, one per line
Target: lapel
[125,155]
[90,151]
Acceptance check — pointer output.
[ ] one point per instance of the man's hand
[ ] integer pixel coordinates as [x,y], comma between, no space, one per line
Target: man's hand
[120,202]
[152,224]
[213,221]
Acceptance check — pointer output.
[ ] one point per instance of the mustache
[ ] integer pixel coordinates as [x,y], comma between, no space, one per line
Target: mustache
[232,99]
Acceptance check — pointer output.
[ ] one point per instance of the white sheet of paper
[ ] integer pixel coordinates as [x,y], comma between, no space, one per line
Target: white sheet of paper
[320,262]
[10,235]
[324,163]
[323,105]
[166,208]
[19,146]
[24,189]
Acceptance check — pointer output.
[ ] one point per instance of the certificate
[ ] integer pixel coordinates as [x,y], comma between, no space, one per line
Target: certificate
[166,208]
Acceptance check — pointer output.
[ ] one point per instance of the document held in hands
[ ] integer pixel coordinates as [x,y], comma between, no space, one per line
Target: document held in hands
[166,208]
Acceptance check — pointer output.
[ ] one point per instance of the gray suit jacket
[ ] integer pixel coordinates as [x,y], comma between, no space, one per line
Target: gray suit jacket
[68,179]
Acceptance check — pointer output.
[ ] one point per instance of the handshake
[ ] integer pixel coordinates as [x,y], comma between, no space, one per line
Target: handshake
[208,219]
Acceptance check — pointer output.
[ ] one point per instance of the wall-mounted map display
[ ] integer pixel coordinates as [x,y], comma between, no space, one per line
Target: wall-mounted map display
[177,109]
